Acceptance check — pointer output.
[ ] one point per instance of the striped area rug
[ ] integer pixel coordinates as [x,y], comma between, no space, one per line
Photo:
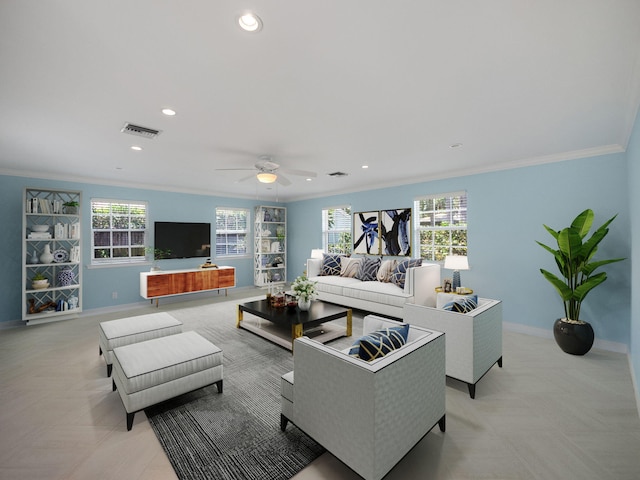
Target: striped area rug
[236,434]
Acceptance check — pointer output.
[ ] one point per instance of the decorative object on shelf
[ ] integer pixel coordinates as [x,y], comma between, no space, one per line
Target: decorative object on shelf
[33,259]
[71,208]
[276,277]
[40,308]
[40,228]
[73,302]
[573,258]
[39,281]
[305,291]
[47,256]
[66,277]
[275,247]
[60,256]
[456,263]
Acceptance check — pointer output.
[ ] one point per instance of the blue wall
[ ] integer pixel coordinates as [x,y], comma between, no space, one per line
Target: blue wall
[506,213]
[633,159]
[100,283]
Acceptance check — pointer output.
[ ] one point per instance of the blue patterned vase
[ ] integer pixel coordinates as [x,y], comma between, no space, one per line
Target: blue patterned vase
[66,277]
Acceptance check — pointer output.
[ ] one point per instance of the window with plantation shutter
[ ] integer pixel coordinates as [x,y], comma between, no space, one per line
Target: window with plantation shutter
[336,230]
[119,231]
[232,226]
[441,225]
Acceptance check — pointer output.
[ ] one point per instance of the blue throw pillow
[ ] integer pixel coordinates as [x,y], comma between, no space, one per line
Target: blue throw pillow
[462,305]
[400,273]
[377,344]
[368,270]
[331,264]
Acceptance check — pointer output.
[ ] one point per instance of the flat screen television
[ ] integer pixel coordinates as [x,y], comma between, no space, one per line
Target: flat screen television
[182,239]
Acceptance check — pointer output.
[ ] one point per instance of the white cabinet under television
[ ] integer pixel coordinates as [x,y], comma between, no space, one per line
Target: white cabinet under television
[270,246]
[51,249]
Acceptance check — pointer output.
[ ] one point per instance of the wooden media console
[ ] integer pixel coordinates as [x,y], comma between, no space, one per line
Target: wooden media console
[179,282]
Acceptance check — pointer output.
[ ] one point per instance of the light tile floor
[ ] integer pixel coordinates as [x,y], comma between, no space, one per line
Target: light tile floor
[545,415]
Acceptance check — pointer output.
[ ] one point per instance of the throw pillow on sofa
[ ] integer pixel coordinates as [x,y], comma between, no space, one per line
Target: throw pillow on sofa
[400,273]
[386,270]
[368,269]
[462,305]
[331,264]
[349,267]
[377,344]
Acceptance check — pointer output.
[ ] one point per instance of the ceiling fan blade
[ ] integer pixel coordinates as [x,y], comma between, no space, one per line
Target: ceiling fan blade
[302,173]
[233,169]
[284,181]
[244,179]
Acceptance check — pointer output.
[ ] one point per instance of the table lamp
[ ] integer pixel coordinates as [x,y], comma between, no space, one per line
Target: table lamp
[317,253]
[456,263]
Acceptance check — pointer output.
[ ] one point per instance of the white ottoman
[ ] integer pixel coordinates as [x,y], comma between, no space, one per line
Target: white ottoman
[156,370]
[125,331]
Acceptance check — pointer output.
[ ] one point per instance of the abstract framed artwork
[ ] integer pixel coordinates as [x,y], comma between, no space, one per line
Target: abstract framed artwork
[395,232]
[366,239]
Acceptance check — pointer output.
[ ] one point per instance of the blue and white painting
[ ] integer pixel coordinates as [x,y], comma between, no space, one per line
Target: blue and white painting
[395,232]
[365,233]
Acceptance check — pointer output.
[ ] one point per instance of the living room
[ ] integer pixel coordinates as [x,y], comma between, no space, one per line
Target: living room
[507,204]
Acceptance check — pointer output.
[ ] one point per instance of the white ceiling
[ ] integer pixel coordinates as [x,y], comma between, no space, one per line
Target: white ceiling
[325,86]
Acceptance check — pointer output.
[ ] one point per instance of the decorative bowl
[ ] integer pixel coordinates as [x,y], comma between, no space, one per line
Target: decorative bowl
[40,228]
[40,284]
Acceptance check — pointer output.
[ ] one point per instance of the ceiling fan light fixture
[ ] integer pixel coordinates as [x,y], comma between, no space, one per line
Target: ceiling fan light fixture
[267,177]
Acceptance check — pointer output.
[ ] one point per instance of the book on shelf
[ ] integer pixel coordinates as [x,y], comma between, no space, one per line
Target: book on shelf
[39,236]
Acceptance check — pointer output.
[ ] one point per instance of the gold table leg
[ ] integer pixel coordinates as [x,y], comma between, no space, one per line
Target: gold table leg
[349,322]
[240,312]
[296,332]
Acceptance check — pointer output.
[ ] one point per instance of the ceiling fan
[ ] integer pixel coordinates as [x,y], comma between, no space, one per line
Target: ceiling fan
[267,170]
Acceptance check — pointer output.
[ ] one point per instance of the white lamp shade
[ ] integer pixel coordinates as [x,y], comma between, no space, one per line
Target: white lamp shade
[456,262]
[317,253]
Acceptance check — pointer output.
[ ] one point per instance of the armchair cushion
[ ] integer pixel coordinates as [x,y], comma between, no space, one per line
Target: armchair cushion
[400,273]
[462,305]
[377,344]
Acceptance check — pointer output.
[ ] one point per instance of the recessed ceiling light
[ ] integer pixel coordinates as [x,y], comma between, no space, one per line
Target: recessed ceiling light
[169,112]
[250,22]
[137,148]
[365,166]
[455,145]
[308,180]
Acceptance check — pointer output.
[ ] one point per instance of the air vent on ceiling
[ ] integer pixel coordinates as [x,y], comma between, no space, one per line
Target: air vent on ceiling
[140,131]
[337,174]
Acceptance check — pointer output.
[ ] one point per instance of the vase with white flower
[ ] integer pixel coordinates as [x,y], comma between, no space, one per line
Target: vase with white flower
[305,291]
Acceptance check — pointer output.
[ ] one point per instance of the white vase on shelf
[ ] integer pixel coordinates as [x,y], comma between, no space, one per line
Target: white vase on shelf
[47,256]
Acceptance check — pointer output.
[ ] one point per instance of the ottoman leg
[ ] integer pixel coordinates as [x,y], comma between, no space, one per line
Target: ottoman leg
[130,420]
[109,368]
[113,385]
[99,350]
[283,422]
[219,385]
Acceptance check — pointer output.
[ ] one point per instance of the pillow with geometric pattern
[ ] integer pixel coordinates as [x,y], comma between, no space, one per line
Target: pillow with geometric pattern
[377,344]
[331,264]
[400,273]
[349,267]
[368,269]
[462,305]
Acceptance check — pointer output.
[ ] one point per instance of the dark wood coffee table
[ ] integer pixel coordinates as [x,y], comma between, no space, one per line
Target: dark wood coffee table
[284,325]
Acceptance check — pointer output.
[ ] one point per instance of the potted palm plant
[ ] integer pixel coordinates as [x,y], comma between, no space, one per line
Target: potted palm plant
[574,258]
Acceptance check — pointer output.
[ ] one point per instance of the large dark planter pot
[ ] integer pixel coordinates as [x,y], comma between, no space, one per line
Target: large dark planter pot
[573,338]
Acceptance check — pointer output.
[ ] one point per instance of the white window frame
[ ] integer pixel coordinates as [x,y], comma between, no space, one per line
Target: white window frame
[246,232]
[451,248]
[327,230]
[119,260]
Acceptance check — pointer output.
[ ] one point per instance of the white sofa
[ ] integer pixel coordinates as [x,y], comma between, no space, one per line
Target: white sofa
[374,296]
[474,339]
[368,414]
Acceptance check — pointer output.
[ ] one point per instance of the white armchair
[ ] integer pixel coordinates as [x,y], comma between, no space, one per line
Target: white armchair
[368,414]
[474,339]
